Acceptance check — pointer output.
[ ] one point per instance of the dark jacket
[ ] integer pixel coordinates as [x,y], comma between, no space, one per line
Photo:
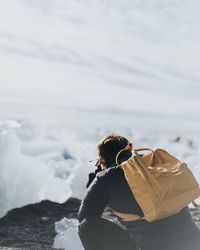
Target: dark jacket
[110,188]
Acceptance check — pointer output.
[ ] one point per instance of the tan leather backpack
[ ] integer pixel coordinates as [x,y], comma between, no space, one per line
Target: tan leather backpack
[161,184]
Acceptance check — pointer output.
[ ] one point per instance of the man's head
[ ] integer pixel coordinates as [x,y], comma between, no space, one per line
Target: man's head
[109,147]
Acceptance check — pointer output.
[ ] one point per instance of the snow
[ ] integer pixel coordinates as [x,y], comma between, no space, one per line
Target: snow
[74,71]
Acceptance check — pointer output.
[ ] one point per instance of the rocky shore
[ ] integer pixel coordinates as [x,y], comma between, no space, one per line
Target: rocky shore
[33,226]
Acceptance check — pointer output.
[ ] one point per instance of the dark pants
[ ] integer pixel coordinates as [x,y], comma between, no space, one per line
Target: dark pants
[101,234]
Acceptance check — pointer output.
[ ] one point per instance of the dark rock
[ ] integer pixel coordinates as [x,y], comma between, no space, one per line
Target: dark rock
[33,226]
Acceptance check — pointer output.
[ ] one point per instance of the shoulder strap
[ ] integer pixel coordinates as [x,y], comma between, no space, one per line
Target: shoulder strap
[195,204]
[127,217]
[130,148]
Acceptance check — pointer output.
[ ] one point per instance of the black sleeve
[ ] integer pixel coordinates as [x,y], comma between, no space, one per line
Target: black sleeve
[96,198]
[92,175]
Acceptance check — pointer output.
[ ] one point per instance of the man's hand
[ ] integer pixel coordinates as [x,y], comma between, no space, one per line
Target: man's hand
[92,175]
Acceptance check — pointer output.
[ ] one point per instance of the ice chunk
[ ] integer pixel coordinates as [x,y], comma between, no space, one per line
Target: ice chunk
[67,235]
[27,177]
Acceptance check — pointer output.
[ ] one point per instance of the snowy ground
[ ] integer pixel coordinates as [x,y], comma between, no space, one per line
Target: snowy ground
[73,71]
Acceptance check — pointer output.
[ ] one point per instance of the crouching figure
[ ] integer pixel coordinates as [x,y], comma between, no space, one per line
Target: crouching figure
[109,188]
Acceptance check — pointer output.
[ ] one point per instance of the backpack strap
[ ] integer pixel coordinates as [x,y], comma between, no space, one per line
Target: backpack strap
[127,217]
[129,147]
[142,149]
[195,204]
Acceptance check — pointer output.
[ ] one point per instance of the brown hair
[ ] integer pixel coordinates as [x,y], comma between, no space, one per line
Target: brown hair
[110,146]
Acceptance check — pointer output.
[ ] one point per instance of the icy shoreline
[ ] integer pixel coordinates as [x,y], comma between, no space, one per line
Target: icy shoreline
[52,162]
[35,226]
[74,71]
